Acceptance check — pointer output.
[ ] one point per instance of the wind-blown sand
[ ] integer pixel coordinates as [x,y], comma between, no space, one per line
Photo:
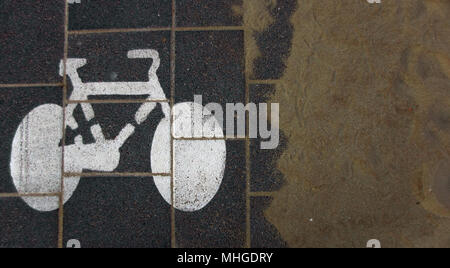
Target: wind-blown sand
[366,110]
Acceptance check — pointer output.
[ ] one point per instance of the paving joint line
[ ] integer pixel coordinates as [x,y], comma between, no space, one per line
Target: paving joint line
[262,194]
[15,195]
[112,101]
[211,139]
[157,29]
[173,241]
[209,28]
[124,30]
[69,175]
[61,196]
[247,149]
[32,85]
[263,82]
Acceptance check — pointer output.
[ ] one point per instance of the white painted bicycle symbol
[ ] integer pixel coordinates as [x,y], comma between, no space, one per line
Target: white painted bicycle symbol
[198,165]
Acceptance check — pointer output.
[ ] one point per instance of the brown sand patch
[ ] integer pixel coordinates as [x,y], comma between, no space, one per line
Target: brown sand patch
[365,108]
[256,19]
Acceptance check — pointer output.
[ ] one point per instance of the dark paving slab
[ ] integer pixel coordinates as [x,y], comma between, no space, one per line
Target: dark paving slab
[135,153]
[117,212]
[265,176]
[31,41]
[210,64]
[107,14]
[107,59]
[275,42]
[263,233]
[15,104]
[222,222]
[23,227]
[261,93]
[209,13]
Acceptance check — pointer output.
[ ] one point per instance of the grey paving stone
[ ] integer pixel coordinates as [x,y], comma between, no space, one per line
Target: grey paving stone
[211,64]
[23,227]
[107,14]
[263,233]
[265,175]
[117,212]
[209,13]
[31,41]
[275,42]
[222,222]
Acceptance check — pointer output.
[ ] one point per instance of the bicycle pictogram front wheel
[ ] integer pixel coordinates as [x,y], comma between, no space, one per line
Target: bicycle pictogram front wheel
[198,164]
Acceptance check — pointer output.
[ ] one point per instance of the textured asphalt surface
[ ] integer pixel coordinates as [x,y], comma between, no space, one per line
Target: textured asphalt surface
[129,211]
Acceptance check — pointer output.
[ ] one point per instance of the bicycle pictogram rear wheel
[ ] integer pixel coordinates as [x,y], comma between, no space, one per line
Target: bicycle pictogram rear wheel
[36,158]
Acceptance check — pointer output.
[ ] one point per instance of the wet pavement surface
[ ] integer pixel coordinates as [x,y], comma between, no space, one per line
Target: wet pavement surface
[116,209]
